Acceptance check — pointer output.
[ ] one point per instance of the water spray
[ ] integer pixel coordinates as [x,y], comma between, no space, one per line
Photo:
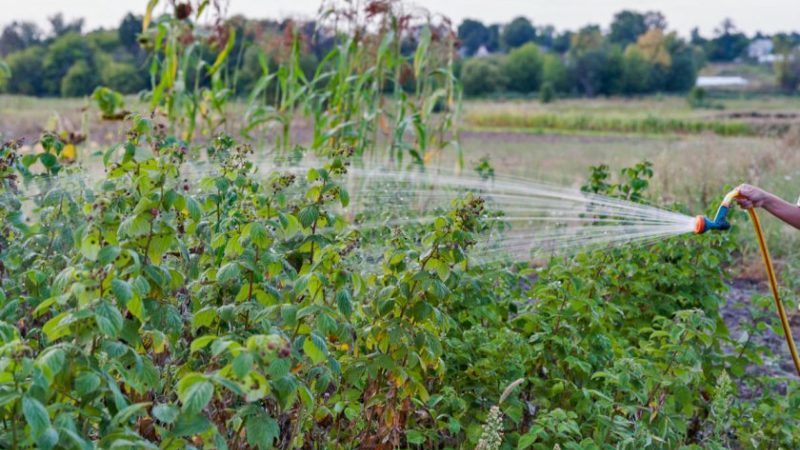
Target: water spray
[720,222]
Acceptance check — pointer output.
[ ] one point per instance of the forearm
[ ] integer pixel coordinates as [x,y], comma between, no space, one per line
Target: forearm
[783,210]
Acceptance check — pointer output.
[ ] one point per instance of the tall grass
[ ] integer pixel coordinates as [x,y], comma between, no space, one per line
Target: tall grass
[595,123]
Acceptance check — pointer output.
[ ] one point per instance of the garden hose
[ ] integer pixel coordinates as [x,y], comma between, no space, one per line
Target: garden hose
[703,224]
[773,285]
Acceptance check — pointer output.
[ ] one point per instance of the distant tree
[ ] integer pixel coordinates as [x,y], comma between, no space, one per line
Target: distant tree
[523,68]
[129,30]
[19,36]
[106,41]
[518,32]
[547,93]
[562,41]
[494,38]
[27,74]
[655,20]
[555,73]
[586,39]
[696,38]
[545,36]
[79,80]
[481,76]
[686,63]
[785,42]
[60,27]
[472,34]
[728,44]
[61,55]
[788,72]
[653,47]
[598,70]
[636,71]
[124,77]
[626,27]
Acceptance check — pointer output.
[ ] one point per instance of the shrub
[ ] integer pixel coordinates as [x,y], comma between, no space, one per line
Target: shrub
[79,80]
[481,76]
[523,68]
[61,56]
[555,73]
[547,94]
[124,77]
[26,72]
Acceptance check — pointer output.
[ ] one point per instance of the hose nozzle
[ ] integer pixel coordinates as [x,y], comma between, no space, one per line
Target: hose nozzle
[720,222]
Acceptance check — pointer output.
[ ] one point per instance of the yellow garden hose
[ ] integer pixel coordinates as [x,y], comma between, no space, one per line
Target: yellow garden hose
[773,285]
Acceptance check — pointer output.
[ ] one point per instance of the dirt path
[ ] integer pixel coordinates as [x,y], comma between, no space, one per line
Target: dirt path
[740,311]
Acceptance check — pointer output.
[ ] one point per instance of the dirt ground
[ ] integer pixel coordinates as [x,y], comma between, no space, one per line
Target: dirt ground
[739,311]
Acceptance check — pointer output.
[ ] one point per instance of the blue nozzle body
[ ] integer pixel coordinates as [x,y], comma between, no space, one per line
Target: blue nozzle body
[720,221]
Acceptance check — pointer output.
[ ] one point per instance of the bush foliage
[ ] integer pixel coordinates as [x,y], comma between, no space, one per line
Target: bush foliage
[163,306]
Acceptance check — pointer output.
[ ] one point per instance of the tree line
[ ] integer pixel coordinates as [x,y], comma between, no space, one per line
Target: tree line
[636,55]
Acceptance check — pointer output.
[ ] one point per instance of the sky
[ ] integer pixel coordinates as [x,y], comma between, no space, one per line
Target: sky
[750,16]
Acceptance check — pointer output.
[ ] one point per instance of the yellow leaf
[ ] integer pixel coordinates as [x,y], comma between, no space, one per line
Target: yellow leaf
[68,153]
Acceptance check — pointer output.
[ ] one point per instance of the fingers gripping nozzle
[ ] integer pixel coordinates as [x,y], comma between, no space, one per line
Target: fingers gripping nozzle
[720,222]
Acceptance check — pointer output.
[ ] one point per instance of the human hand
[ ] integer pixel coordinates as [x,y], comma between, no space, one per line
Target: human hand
[751,196]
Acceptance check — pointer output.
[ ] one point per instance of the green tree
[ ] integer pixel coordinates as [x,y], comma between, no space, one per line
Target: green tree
[79,80]
[636,71]
[19,36]
[788,71]
[481,76]
[472,34]
[518,32]
[523,68]
[129,30]
[599,71]
[26,68]
[686,63]
[555,73]
[61,55]
[728,44]
[60,27]
[626,27]
[124,77]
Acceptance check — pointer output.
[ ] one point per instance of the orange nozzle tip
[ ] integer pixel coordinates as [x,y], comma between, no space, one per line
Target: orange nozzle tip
[699,225]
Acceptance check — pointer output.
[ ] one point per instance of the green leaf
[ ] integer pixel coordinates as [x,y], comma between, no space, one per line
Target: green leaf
[315,348]
[194,209]
[165,413]
[258,234]
[36,416]
[308,215]
[201,342]
[414,437]
[261,430]
[48,439]
[121,290]
[86,383]
[109,319]
[90,246]
[527,440]
[136,307]
[196,396]
[108,254]
[242,364]
[344,302]
[228,272]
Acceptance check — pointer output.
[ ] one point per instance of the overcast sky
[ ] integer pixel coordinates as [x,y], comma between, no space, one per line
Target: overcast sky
[749,15]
